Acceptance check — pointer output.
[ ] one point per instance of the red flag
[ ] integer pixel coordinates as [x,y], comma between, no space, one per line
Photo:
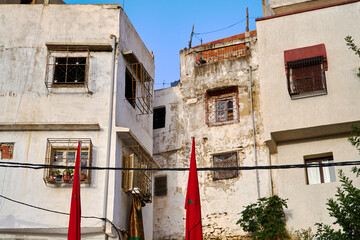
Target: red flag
[192,202]
[75,209]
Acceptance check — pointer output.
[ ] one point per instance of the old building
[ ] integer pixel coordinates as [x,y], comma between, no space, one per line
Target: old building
[72,73]
[309,99]
[217,102]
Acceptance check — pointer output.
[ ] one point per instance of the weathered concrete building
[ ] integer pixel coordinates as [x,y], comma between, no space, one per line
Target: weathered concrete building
[72,73]
[309,99]
[217,102]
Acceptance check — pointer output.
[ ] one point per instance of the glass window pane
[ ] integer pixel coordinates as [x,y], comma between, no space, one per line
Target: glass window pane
[70,157]
[313,174]
[329,172]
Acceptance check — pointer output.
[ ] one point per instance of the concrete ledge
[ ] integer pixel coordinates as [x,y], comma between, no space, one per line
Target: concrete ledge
[60,232]
[8,127]
[57,46]
[302,134]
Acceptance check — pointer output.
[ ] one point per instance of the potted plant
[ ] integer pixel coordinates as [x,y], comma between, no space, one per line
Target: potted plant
[83,176]
[51,178]
[67,175]
[58,175]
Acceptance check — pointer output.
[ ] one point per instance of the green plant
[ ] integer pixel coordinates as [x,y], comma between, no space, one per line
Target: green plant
[265,218]
[355,141]
[345,209]
[350,43]
[302,234]
[68,171]
[58,172]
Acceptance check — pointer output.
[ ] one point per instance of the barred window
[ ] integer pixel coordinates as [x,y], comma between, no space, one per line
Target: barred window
[225,160]
[222,106]
[306,77]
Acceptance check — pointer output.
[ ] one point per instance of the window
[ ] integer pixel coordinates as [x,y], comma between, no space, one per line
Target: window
[319,174]
[225,160]
[70,71]
[130,88]
[160,186]
[6,150]
[62,152]
[305,71]
[67,68]
[139,88]
[159,117]
[222,106]
[306,76]
[137,181]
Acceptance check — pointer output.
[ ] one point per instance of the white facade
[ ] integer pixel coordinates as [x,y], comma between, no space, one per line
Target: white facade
[190,113]
[310,127]
[33,112]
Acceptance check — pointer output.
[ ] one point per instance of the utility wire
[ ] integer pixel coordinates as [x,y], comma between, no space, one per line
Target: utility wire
[221,29]
[286,166]
[58,212]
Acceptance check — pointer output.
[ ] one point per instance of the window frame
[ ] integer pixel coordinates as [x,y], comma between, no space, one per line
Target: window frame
[213,97]
[235,172]
[163,182]
[156,117]
[306,77]
[137,181]
[319,159]
[55,176]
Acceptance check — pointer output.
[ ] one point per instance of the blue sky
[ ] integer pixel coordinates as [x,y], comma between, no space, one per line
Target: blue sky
[165,26]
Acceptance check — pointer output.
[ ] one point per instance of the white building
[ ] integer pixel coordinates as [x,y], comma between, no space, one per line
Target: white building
[215,102]
[309,99]
[70,73]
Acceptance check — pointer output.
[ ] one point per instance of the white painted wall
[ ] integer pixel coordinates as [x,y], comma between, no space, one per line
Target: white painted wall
[24,98]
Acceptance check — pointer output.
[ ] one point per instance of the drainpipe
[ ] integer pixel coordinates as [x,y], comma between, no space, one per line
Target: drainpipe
[106,187]
[270,174]
[254,136]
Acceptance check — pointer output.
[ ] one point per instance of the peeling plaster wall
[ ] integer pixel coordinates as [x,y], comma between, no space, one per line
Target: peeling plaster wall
[221,200]
[24,98]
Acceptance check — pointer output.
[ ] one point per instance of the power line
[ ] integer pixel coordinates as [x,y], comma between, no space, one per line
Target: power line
[286,166]
[218,30]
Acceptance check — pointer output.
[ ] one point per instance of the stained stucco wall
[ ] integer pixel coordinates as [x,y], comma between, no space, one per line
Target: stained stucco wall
[221,200]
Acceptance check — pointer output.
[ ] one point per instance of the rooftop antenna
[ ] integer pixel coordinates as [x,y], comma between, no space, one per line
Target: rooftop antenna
[163,83]
[192,33]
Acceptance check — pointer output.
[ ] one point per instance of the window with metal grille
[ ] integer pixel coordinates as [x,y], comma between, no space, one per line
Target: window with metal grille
[70,71]
[62,152]
[138,181]
[222,106]
[225,160]
[319,174]
[160,186]
[306,77]
[6,150]
[159,117]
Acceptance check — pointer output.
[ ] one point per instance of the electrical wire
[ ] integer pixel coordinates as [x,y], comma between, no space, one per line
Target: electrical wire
[59,212]
[221,29]
[286,166]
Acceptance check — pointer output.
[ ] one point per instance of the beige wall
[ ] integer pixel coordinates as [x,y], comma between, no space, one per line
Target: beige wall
[329,26]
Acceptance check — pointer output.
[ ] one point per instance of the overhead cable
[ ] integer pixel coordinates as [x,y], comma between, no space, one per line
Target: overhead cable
[263,167]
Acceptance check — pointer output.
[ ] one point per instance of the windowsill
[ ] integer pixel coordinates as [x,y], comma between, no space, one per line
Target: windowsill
[61,182]
[222,123]
[308,94]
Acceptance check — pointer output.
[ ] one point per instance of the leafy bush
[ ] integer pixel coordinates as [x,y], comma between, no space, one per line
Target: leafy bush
[345,209]
[265,219]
